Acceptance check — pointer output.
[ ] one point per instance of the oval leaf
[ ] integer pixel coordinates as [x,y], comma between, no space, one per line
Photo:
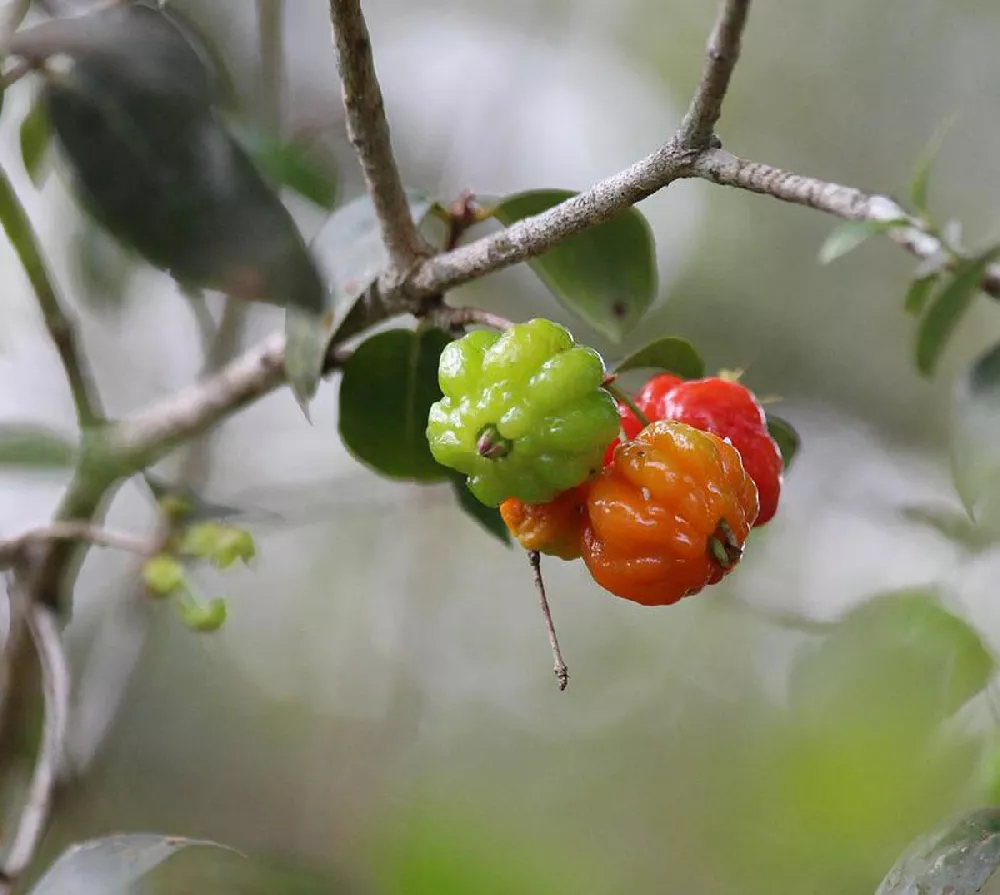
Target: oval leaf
[974,436]
[288,164]
[916,663]
[156,167]
[956,859]
[948,307]
[35,142]
[350,245]
[671,354]
[788,440]
[850,234]
[307,339]
[919,294]
[112,865]
[920,181]
[28,446]
[386,392]
[488,517]
[606,275]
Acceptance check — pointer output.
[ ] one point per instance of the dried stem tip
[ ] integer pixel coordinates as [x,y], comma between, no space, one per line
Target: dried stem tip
[492,445]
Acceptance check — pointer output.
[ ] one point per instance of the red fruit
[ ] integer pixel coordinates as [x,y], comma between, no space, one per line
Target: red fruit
[730,410]
[630,426]
[652,399]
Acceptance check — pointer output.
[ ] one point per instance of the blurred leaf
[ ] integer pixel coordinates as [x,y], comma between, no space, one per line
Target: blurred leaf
[956,859]
[951,524]
[783,432]
[918,294]
[350,243]
[948,307]
[104,267]
[672,354]
[488,517]
[155,166]
[606,275]
[306,342]
[922,169]
[35,136]
[386,392]
[849,235]
[974,437]
[110,866]
[913,661]
[186,505]
[951,233]
[35,447]
[288,164]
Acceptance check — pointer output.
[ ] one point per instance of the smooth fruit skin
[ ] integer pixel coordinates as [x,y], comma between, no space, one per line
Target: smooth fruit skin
[729,410]
[523,413]
[652,513]
[552,528]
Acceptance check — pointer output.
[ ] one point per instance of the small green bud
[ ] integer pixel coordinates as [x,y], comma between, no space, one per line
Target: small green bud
[220,544]
[204,618]
[163,575]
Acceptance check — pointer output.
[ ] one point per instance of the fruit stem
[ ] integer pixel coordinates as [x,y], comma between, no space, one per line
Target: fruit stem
[561,671]
[491,444]
[724,547]
[623,398]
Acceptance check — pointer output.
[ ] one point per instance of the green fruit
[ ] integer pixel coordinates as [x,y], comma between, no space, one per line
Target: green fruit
[523,413]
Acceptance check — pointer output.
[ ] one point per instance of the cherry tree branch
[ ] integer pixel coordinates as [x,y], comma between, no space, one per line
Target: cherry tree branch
[845,202]
[368,131]
[723,52]
[14,550]
[43,628]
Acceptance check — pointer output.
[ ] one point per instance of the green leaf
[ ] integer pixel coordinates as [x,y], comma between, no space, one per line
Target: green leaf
[488,517]
[783,432]
[956,859]
[288,164]
[350,243]
[606,275]
[915,662]
[112,865]
[973,438]
[28,446]
[948,307]
[156,167]
[919,294]
[850,234]
[922,170]
[386,391]
[670,354]
[307,340]
[35,142]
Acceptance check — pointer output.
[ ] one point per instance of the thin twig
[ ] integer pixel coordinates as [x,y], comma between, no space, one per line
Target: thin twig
[368,131]
[58,322]
[845,202]
[13,550]
[18,12]
[698,126]
[44,630]
[561,671]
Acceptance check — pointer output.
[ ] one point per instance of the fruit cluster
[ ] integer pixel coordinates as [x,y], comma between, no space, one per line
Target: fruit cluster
[657,508]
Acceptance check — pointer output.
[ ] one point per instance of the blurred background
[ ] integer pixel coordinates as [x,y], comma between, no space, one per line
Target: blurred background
[378,715]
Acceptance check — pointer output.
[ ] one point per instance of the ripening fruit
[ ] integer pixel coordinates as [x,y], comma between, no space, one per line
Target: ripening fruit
[669,516]
[552,528]
[730,410]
